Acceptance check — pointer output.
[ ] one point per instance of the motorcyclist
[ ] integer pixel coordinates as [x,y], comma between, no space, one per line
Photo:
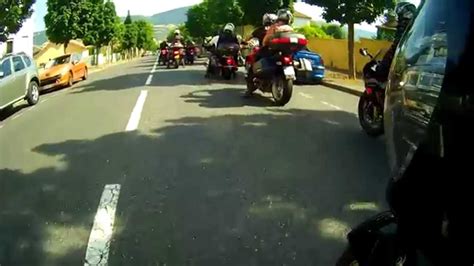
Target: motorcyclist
[268,20]
[227,37]
[177,38]
[405,13]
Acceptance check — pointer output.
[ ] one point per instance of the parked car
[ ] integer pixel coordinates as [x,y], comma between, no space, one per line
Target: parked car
[309,66]
[18,80]
[63,71]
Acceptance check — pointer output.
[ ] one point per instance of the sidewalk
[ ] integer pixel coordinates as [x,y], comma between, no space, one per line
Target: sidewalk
[95,69]
[341,82]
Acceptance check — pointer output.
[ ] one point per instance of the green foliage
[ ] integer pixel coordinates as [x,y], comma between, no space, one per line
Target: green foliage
[128,19]
[385,34]
[208,17]
[130,36]
[334,30]
[65,20]
[13,14]
[352,11]
[101,26]
[313,30]
[145,38]
[255,9]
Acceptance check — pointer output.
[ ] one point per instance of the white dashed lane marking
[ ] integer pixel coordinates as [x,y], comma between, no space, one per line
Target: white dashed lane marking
[331,105]
[98,247]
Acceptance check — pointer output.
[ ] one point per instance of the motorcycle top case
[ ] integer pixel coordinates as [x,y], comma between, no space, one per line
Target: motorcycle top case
[228,49]
[265,67]
[287,42]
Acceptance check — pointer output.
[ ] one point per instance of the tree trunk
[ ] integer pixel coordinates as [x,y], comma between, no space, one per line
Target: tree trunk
[65,46]
[350,47]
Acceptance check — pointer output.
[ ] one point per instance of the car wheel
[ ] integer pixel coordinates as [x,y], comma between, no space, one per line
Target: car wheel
[32,96]
[85,74]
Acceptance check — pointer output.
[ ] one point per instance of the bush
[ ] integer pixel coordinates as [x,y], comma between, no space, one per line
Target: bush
[313,30]
[334,31]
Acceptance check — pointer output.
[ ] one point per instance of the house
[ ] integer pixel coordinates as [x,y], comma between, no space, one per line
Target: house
[22,41]
[301,20]
[51,50]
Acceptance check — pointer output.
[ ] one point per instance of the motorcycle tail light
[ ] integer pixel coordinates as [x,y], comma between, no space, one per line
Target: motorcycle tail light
[286,60]
[230,61]
[176,52]
[369,90]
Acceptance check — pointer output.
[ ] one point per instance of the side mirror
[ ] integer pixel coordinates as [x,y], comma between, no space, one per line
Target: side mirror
[74,62]
[363,51]
[42,65]
[2,74]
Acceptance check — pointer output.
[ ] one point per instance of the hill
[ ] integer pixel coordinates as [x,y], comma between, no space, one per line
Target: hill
[175,16]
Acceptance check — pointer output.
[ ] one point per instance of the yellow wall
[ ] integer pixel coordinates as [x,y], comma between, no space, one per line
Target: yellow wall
[54,50]
[335,55]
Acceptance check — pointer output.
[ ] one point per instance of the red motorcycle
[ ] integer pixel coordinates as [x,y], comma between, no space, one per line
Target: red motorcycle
[275,71]
[224,62]
[163,57]
[190,55]
[175,57]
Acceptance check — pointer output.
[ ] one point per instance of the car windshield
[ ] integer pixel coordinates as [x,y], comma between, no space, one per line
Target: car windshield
[58,61]
[119,148]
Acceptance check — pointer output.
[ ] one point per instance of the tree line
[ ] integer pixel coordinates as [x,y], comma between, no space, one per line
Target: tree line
[96,23]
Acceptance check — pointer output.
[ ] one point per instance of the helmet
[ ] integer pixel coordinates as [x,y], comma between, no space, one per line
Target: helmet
[269,19]
[229,27]
[177,32]
[405,11]
[285,16]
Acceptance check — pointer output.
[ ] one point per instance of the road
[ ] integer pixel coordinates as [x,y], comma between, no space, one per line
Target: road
[199,175]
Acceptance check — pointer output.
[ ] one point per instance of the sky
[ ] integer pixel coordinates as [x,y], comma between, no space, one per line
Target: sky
[151,7]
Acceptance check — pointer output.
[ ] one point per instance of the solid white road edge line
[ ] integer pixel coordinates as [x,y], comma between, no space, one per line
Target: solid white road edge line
[137,112]
[99,240]
[331,105]
[306,95]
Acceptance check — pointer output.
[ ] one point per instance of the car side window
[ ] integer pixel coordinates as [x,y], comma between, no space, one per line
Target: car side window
[6,67]
[18,64]
[27,60]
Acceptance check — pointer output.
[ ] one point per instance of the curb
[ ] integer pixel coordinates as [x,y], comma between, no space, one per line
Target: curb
[342,88]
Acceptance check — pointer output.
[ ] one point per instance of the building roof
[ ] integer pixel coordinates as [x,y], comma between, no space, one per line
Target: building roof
[301,15]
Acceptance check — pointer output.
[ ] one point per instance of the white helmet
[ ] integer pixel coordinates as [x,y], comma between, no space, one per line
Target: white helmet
[268,19]
[229,27]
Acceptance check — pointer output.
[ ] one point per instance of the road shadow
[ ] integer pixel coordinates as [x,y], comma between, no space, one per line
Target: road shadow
[11,110]
[226,98]
[267,189]
[115,83]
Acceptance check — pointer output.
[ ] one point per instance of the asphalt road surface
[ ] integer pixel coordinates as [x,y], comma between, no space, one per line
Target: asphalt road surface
[164,167]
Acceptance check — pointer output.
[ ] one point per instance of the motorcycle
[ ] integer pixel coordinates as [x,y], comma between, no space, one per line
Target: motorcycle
[224,62]
[375,243]
[175,57]
[275,73]
[371,102]
[190,55]
[163,56]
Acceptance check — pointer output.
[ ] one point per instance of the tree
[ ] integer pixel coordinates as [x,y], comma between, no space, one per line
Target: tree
[334,31]
[387,30]
[128,19]
[130,35]
[199,23]
[254,10]
[313,30]
[14,13]
[145,38]
[65,20]
[224,11]
[351,12]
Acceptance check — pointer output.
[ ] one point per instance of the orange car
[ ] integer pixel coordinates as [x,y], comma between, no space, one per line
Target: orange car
[63,71]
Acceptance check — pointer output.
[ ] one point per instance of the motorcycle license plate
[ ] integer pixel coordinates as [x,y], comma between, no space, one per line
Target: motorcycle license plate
[289,72]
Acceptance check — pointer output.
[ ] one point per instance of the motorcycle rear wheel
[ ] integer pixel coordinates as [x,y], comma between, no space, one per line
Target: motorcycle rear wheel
[226,74]
[375,127]
[282,89]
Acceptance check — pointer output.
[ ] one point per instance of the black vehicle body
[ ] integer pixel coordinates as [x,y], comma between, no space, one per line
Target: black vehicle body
[428,119]
[190,55]
[224,61]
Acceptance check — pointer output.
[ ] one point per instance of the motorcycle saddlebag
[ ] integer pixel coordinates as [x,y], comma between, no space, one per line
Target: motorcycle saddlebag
[264,68]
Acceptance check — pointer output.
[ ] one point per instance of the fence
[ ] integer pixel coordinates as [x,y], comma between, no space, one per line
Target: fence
[335,53]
